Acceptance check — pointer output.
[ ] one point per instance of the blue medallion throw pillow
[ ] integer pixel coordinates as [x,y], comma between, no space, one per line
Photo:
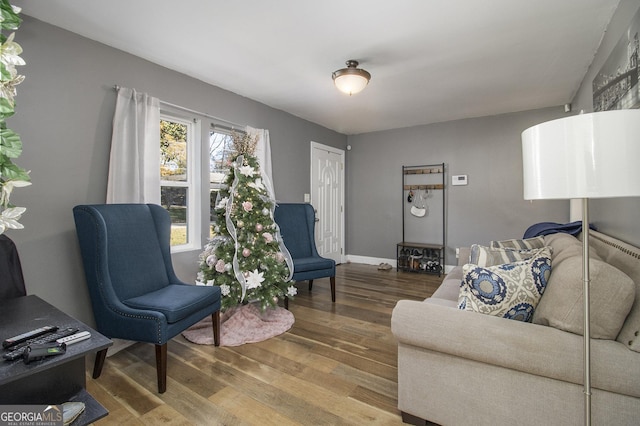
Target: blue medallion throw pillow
[510,290]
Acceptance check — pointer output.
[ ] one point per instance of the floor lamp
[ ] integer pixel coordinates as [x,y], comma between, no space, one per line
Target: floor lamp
[581,157]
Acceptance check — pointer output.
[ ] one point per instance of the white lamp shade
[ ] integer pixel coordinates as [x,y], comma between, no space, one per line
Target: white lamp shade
[584,156]
[351,83]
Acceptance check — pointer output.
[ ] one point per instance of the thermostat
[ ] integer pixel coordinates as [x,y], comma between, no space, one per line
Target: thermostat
[459,180]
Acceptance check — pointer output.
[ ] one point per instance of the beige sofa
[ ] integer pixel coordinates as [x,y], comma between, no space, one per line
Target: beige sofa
[457,367]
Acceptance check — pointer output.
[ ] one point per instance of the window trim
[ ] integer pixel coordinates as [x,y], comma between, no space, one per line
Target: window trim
[193,182]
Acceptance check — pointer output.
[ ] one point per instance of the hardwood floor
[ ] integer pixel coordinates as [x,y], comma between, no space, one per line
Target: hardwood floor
[337,364]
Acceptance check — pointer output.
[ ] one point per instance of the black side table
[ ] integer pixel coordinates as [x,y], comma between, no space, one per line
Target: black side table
[55,379]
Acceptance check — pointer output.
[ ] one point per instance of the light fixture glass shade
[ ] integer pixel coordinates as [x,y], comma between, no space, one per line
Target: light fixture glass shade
[351,80]
[593,155]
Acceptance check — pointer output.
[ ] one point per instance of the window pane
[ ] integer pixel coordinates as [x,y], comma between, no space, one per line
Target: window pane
[219,156]
[174,199]
[173,151]
[220,146]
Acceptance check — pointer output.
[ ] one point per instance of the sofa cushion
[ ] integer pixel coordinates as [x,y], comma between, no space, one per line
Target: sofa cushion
[510,290]
[490,256]
[626,258]
[522,244]
[565,246]
[450,287]
[611,295]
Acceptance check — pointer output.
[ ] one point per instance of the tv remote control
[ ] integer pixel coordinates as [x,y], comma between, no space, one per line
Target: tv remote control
[18,350]
[74,338]
[21,338]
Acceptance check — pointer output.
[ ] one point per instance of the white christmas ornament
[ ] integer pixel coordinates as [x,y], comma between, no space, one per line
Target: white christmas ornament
[257,184]
[222,203]
[247,170]
[225,289]
[255,279]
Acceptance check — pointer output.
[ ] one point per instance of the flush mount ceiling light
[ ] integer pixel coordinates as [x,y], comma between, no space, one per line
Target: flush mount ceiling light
[351,80]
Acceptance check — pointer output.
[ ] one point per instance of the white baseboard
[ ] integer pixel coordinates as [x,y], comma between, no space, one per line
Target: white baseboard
[370,260]
[366,260]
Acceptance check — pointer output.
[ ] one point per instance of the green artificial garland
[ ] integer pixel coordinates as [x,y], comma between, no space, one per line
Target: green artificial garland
[11,175]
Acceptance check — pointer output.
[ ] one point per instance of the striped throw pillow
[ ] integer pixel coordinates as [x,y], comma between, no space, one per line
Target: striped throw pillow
[490,256]
[526,244]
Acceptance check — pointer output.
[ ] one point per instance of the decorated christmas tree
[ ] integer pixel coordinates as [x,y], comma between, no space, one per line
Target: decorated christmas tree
[246,257]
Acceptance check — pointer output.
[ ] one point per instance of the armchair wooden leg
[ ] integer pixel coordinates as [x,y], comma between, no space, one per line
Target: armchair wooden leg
[97,366]
[161,367]
[333,288]
[216,327]
[310,284]
[286,302]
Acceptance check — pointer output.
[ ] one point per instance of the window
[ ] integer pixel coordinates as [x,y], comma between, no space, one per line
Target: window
[180,179]
[220,152]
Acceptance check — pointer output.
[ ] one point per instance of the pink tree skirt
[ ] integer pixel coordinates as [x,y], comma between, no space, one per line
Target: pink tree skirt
[242,324]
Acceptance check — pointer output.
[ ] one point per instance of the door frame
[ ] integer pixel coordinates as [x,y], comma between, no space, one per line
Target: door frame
[313,186]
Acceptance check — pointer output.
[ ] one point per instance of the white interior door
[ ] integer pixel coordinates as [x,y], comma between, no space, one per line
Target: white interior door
[327,197]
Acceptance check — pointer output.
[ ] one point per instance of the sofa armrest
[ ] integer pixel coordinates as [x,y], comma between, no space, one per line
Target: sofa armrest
[526,347]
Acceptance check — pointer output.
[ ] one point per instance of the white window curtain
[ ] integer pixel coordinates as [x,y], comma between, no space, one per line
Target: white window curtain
[263,154]
[134,166]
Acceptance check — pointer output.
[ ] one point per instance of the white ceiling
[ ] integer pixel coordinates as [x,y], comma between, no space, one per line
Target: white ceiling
[430,60]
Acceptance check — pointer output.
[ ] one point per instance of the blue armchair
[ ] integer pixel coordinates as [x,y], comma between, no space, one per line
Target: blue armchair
[134,291]
[297,227]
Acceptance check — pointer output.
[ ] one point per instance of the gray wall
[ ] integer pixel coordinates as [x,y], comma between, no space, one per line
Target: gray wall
[617,217]
[64,112]
[488,150]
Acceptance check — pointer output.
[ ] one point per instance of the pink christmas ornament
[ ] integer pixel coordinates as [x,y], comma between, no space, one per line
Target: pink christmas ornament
[259,227]
[220,265]
[246,252]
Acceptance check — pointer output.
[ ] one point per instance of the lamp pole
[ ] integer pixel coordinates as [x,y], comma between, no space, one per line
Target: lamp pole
[587,326]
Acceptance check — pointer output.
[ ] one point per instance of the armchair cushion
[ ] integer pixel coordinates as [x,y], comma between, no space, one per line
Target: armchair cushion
[306,264]
[175,301]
